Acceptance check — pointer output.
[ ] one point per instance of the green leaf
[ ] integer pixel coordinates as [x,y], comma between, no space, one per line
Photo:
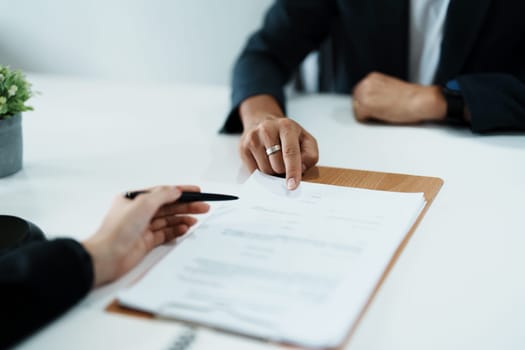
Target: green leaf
[15,90]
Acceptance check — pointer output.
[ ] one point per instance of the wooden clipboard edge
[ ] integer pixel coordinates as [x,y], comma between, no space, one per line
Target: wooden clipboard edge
[430,187]
[373,180]
[115,307]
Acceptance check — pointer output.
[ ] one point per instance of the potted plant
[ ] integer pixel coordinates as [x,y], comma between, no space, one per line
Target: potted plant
[14,92]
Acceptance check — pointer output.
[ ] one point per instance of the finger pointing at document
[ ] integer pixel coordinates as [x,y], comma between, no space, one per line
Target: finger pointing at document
[273,143]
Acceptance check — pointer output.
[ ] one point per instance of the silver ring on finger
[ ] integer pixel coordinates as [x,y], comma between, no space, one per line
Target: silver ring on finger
[273,149]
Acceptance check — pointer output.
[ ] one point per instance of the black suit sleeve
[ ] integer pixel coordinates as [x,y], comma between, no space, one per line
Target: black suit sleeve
[496,101]
[292,29]
[38,282]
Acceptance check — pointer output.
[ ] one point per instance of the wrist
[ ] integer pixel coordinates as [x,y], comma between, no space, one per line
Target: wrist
[259,108]
[432,104]
[102,260]
[252,120]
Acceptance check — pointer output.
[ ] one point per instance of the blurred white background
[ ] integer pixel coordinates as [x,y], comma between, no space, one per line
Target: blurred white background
[193,41]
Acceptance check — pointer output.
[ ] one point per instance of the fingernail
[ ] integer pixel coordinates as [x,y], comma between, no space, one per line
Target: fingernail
[304,168]
[291,183]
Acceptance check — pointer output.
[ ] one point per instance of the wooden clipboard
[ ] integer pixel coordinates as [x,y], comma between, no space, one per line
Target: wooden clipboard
[372,180]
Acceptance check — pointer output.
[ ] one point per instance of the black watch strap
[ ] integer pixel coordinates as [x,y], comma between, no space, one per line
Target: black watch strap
[455,106]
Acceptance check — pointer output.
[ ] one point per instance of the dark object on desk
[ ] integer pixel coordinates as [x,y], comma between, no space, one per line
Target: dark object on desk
[191,196]
[15,232]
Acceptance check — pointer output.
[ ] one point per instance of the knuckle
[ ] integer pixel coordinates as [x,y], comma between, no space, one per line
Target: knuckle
[252,144]
[265,124]
[266,133]
[251,141]
[287,125]
[373,75]
[193,207]
[183,207]
[242,148]
[245,154]
[311,158]
[165,188]
[243,145]
[364,100]
[366,89]
[311,139]
[290,151]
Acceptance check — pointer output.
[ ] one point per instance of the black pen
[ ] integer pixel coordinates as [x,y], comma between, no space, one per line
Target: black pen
[190,196]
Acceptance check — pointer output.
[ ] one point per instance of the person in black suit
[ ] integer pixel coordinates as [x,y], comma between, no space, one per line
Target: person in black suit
[42,279]
[404,61]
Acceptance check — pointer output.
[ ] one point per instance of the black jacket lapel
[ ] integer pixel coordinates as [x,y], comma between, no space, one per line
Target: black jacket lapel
[394,36]
[379,30]
[464,20]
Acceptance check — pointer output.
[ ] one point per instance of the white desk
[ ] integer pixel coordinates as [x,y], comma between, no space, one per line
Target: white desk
[459,282]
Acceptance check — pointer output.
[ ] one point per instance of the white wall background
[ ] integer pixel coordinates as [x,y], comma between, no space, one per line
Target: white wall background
[151,40]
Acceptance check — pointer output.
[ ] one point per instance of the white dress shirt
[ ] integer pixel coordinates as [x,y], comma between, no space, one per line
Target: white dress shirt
[427,20]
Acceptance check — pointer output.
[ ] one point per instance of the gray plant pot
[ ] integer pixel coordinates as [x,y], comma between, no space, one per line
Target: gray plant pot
[11,147]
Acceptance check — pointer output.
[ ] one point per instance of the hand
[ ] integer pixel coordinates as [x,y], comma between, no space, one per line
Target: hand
[132,228]
[388,99]
[266,126]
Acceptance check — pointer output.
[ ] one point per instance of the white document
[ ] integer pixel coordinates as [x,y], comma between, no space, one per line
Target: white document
[289,266]
[87,329]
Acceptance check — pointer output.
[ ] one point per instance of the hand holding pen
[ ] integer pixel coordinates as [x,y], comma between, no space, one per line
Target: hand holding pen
[132,228]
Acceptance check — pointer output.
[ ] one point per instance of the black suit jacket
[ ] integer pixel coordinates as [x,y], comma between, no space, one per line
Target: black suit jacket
[483,48]
[38,282]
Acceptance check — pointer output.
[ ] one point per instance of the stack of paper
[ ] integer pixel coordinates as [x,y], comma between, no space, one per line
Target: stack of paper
[294,267]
